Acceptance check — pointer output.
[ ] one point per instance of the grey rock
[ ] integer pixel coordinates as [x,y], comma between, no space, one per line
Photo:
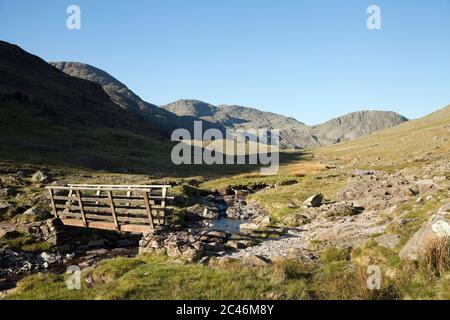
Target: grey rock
[437,226]
[389,241]
[38,214]
[192,255]
[40,177]
[204,211]
[314,201]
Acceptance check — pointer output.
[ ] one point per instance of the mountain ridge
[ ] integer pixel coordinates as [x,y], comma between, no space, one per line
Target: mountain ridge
[294,134]
[182,114]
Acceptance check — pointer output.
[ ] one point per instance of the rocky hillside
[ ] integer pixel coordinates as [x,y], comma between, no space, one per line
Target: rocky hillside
[355,125]
[294,134]
[48,116]
[124,97]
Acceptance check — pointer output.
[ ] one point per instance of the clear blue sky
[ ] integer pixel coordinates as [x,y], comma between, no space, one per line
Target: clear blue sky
[310,59]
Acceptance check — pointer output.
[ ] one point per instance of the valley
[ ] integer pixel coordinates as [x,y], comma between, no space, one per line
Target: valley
[342,200]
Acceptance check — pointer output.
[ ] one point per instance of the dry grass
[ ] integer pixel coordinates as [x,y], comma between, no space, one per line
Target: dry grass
[305,168]
[435,258]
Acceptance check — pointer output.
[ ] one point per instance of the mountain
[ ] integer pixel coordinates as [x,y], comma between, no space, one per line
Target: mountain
[49,116]
[293,134]
[355,125]
[124,97]
[417,143]
[183,113]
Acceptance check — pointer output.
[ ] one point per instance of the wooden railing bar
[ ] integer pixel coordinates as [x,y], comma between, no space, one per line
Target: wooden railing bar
[125,186]
[116,199]
[149,210]
[104,218]
[113,210]
[163,202]
[106,188]
[52,202]
[119,209]
[107,225]
[80,204]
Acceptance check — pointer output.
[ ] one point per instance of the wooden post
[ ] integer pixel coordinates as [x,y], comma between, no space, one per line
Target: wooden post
[163,204]
[80,204]
[113,210]
[69,202]
[52,202]
[98,194]
[149,209]
[128,204]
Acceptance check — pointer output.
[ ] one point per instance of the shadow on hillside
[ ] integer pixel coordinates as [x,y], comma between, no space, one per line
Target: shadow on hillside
[157,164]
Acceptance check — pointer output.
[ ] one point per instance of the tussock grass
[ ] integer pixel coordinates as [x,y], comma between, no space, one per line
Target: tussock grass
[435,258]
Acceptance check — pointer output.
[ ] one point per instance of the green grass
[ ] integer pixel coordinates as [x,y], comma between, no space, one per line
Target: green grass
[21,241]
[286,201]
[154,277]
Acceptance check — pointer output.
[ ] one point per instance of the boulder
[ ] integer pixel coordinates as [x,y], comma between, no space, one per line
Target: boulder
[173,251]
[203,211]
[37,214]
[214,236]
[437,226]
[233,244]
[389,241]
[255,261]
[40,177]
[192,255]
[263,221]
[425,185]
[314,201]
[248,226]
[341,209]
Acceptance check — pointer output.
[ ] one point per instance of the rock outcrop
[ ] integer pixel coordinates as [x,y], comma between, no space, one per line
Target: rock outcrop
[437,226]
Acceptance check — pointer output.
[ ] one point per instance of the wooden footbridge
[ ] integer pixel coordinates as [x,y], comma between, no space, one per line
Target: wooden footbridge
[127,208]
